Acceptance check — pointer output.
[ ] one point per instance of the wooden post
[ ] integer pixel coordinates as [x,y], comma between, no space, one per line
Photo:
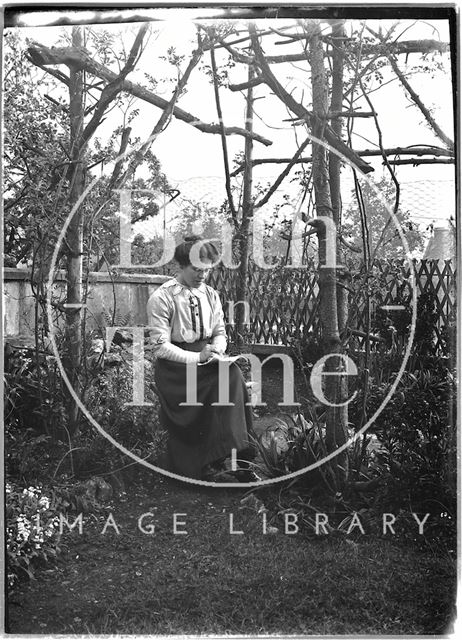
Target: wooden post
[247,216]
[74,236]
[328,307]
[336,106]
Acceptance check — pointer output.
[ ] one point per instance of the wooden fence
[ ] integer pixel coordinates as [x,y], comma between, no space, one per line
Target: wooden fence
[283,302]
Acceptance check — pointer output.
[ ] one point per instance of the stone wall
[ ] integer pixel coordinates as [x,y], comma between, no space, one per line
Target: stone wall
[128,293]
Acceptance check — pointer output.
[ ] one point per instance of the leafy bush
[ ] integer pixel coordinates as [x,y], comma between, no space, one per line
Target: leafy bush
[32,532]
[29,456]
[35,419]
[38,445]
[393,326]
[292,444]
[417,436]
[426,322]
[34,396]
[135,427]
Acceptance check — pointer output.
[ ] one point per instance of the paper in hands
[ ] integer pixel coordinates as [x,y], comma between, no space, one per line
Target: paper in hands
[222,358]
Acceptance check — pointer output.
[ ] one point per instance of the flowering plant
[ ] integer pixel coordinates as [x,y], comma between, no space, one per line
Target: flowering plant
[32,531]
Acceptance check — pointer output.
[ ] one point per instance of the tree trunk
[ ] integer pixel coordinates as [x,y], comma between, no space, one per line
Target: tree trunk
[328,308]
[338,34]
[74,235]
[247,216]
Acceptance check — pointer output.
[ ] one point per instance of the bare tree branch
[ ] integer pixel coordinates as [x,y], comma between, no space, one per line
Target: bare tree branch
[81,59]
[390,170]
[53,72]
[305,234]
[245,85]
[350,245]
[139,156]
[417,161]
[335,114]
[244,38]
[113,88]
[223,137]
[283,174]
[412,93]
[405,46]
[119,163]
[299,110]
[382,49]
[418,102]
[394,151]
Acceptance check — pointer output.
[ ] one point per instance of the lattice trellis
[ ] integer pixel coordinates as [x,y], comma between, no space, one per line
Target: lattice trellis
[284,302]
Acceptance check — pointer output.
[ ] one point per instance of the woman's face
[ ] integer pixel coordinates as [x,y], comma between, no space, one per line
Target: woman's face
[193,276]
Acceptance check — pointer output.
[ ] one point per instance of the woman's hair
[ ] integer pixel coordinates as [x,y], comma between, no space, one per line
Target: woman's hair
[207,250]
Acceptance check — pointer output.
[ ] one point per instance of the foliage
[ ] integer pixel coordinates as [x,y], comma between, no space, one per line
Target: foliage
[386,283]
[38,445]
[35,153]
[102,219]
[405,463]
[32,531]
[34,396]
[417,438]
[292,444]
[394,326]
[37,162]
[427,320]
[134,427]
[191,218]
[33,518]
[200,217]
[384,239]
[35,417]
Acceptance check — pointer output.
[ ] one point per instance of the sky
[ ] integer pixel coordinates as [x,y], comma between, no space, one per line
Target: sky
[193,161]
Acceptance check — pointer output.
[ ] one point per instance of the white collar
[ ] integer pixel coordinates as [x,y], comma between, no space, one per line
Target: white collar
[179,287]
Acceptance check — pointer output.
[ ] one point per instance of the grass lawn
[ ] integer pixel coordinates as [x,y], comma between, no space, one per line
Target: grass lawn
[212,581]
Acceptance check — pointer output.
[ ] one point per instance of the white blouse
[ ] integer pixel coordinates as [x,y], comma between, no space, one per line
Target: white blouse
[177,313]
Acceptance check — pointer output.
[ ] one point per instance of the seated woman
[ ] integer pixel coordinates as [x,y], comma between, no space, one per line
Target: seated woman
[187,328]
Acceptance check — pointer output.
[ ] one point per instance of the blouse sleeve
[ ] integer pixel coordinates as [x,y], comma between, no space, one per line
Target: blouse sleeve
[219,338]
[160,309]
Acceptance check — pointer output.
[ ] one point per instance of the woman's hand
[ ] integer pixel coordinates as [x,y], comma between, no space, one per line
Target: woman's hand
[206,353]
[209,353]
[219,350]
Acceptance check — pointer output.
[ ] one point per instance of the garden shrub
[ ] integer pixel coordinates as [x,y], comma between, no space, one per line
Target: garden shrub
[34,395]
[137,428]
[30,457]
[34,415]
[426,322]
[292,444]
[416,431]
[37,442]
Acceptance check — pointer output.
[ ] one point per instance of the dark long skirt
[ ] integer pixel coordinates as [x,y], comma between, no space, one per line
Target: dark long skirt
[200,435]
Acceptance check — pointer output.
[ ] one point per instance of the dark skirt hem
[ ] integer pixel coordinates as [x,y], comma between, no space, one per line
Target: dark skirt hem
[200,435]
